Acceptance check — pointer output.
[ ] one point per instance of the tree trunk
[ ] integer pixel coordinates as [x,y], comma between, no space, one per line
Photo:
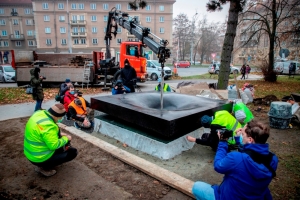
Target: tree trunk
[228,47]
[202,57]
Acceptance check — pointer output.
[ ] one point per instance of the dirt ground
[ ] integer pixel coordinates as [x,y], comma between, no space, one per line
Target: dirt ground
[95,174]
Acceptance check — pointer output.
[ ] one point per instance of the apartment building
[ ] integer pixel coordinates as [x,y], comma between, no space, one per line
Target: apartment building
[86,22]
[17,27]
[255,50]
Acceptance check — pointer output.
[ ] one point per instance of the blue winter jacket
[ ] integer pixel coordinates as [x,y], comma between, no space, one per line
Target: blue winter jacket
[244,178]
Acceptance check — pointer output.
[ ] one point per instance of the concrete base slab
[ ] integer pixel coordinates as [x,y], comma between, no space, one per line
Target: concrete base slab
[140,140]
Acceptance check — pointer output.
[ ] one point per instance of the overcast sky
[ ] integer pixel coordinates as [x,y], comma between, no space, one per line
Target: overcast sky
[190,7]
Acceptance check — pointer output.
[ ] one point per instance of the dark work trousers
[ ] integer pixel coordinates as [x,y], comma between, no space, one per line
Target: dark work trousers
[59,157]
[243,76]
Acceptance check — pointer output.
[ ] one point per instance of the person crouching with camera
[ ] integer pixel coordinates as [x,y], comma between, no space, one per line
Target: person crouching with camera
[36,83]
[80,112]
[120,88]
[248,173]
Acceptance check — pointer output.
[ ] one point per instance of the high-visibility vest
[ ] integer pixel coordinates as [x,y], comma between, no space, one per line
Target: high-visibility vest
[224,118]
[165,87]
[243,107]
[79,110]
[41,137]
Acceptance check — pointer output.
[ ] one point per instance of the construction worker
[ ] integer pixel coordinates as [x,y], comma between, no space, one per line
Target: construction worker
[166,86]
[79,111]
[221,120]
[242,112]
[44,145]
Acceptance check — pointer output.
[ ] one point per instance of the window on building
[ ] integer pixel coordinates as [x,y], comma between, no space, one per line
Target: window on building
[82,29]
[27,11]
[47,30]
[148,7]
[1,11]
[75,31]
[105,6]
[104,30]
[29,33]
[161,8]
[63,41]
[14,10]
[81,6]
[105,18]
[119,30]
[161,30]
[4,33]
[148,19]
[93,6]
[28,22]
[60,6]
[5,43]
[94,30]
[82,40]
[93,18]
[161,19]
[48,42]
[119,41]
[62,29]
[30,43]
[45,6]
[18,43]
[2,22]
[15,22]
[73,6]
[95,41]
[76,41]
[118,6]
[46,18]
[128,7]
[62,18]
[81,18]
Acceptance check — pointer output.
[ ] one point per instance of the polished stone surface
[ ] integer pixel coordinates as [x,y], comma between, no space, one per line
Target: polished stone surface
[180,115]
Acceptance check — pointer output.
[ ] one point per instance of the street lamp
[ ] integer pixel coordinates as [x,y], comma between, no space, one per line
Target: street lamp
[192,40]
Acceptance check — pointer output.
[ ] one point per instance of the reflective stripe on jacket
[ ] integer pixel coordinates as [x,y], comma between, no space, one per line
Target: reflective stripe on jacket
[41,137]
[165,88]
[243,107]
[79,110]
[224,118]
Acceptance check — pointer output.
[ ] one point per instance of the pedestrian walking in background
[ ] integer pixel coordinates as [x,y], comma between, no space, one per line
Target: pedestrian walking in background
[37,89]
[248,69]
[243,71]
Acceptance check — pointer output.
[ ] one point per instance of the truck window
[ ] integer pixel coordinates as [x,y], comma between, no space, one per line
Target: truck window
[130,49]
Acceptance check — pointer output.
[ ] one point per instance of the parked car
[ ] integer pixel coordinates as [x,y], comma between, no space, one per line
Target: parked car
[215,69]
[7,73]
[283,67]
[154,70]
[184,64]
[40,63]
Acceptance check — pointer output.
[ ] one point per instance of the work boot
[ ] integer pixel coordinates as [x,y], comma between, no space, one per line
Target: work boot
[44,172]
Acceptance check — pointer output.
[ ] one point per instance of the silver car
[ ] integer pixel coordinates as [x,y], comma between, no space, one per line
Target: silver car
[154,70]
[7,73]
[215,69]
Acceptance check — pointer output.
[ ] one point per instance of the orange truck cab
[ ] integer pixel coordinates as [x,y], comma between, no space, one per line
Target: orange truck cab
[135,53]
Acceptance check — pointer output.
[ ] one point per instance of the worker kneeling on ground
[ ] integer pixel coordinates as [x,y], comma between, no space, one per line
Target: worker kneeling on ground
[221,120]
[120,88]
[166,86]
[80,112]
[44,145]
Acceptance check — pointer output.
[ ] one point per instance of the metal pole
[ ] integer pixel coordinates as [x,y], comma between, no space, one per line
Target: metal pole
[69,34]
[177,49]
[162,89]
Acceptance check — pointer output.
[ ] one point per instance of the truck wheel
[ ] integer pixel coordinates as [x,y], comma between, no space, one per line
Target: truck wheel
[154,77]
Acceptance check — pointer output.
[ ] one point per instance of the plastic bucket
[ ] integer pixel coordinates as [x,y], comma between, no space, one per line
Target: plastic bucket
[280,114]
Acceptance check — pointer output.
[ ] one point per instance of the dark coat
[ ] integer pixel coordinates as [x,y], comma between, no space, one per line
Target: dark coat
[128,76]
[36,84]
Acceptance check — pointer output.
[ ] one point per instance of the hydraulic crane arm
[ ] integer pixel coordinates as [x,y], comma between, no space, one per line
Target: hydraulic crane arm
[156,44]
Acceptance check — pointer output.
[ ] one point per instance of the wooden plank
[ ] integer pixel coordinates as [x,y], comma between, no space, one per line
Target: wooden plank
[170,178]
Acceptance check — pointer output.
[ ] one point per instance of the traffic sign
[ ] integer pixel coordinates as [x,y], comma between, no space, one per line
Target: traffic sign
[213,55]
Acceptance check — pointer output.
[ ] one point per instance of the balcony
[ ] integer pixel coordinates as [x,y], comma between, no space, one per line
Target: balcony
[79,34]
[17,37]
[14,14]
[30,37]
[77,22]
[242,55]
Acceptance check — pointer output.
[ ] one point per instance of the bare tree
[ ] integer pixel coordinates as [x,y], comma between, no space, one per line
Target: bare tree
[276,20]
[236,6]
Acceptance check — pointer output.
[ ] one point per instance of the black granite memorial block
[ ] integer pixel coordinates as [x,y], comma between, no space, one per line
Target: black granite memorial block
[180,115]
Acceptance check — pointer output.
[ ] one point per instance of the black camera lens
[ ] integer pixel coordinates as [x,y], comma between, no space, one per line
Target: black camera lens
[44,77]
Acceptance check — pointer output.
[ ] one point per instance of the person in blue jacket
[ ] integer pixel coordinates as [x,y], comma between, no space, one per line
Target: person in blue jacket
[247,173]
[120,88]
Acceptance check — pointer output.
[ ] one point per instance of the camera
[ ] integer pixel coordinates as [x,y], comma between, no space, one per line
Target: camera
[44,77]
[224,133]
[120,86]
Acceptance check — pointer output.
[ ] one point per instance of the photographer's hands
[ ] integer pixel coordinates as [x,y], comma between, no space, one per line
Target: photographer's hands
[68,136]
[221,137]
